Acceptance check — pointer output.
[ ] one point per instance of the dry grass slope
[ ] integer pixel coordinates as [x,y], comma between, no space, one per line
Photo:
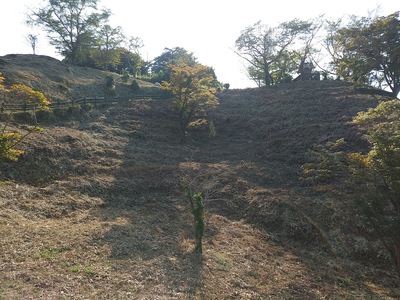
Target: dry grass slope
[57,80]
[95,208]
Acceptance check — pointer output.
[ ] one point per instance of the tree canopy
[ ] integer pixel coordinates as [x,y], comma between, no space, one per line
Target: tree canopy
[81,33]
[70,24]
[161,65]
[367,50]
[263,46]
[194,95]
[364,50]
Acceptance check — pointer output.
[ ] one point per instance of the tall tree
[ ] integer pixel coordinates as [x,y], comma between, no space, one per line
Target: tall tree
[283,68]
[130,61]
[70,24]
[367,50]
[130,58]
[161,66]
[261,46]
[104,53]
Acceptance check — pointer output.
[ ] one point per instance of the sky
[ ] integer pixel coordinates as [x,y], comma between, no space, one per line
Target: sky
[207,28]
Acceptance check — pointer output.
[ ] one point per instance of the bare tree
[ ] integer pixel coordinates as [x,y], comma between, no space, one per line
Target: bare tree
[32,40]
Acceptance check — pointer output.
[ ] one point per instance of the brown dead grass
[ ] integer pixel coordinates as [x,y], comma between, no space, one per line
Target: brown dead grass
[60,81]
[95,208]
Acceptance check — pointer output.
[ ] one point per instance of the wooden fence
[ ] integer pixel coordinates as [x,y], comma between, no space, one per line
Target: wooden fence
[95,101]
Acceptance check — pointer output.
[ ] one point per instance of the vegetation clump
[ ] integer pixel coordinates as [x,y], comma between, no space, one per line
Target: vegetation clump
[21,93]
[197,208]
[135,86]
[16,94]
[110,85]
[194,96]
[125,76]
[373,177]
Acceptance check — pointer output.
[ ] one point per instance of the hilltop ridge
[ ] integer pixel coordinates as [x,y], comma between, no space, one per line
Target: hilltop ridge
[60,81]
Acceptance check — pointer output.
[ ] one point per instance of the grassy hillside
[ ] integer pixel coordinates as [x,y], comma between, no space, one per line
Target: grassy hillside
[57,80]
[95,207]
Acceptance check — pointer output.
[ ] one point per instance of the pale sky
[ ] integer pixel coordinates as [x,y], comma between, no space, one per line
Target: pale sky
[208,28]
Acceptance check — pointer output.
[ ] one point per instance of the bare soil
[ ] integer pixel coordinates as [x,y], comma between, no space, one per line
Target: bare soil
[95,208]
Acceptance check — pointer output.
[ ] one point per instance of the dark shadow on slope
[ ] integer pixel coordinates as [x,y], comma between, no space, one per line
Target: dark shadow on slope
[258,150]
[152,225]
[151,241]
[264,136]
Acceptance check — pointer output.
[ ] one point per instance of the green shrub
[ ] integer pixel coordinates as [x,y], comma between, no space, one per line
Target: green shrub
[135,86]
[110,85]
[373,177]
[197,208]
[125,76]
[75,110]
[10,139]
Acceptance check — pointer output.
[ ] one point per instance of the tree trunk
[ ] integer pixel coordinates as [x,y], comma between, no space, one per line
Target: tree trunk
[266,74]
[182,127]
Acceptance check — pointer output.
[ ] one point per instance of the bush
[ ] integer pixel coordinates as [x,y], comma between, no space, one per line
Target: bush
[20,93]
[75,110]
[373,177]
[110,85]
[44,115]
[26,94]
[135,86]
[195,97]
[125,76]
[197,207]
[8,141]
